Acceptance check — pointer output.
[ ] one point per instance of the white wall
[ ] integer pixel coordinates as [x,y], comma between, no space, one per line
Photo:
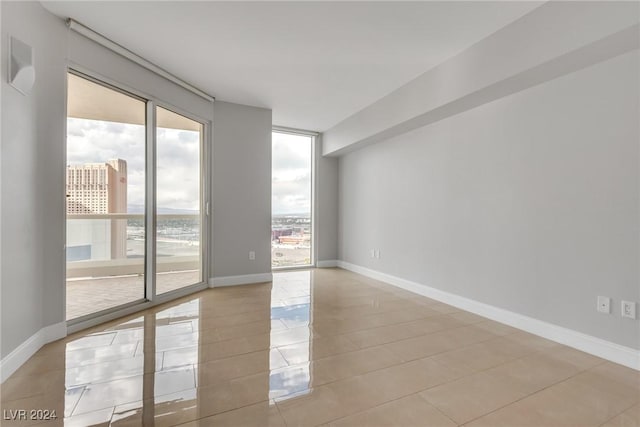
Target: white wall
[530,203]
[33,134]
[241,190]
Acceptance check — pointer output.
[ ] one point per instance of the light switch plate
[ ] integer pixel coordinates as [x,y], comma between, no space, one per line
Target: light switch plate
[628,309]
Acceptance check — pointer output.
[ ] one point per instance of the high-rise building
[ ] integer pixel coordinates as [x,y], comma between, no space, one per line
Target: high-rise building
[97,188]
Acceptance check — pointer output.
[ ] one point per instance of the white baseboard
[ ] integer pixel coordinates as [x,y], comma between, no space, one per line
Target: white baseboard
[329,263]
[246,279]
[12,361]
[589,344]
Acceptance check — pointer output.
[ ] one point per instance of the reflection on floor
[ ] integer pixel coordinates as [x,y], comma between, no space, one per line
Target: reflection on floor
[316,347]
[86,296]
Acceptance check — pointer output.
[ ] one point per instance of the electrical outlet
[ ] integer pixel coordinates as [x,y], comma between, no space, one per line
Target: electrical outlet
[252,255]
[604,305]
[372,253]
[377,253]
[629,309]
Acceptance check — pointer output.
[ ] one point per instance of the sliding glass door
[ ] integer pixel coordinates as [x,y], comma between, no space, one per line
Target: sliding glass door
[105,185]
[178,201]
[112,185]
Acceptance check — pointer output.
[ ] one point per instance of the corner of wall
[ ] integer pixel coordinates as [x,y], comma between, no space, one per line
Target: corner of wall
[10,363]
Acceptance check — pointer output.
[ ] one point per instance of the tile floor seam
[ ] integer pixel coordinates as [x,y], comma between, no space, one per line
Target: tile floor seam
[135,350]
[220,413]
[620,413]
[75,405]
[162,361]
[284,358]
[617,415]
[74,367]
[437,409]
[413,337]
[530,395]
[444,351]
[328,356]
[195,378]
[185,367]
[284,420]
[580,371]
[417,393]
[392,324]
[332,381]
[113,410]
[129,402]
[121,403]
[367,373]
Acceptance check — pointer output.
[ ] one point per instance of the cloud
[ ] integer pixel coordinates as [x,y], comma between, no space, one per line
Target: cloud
[188,136]
[290,154]
[178,169]
[178,183]
[178,160]
[291,176]
[116,128]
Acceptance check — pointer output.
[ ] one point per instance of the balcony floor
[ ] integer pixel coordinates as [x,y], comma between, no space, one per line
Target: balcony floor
[86,296]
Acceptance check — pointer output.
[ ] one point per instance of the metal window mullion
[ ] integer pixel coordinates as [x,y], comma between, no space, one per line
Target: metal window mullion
[150,205]
[205,209]
[314,205]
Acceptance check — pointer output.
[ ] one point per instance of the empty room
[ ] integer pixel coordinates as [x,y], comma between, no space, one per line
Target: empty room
[305,213]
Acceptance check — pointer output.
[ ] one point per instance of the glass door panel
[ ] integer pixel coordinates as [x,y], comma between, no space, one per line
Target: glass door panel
[105,191]
[178,201]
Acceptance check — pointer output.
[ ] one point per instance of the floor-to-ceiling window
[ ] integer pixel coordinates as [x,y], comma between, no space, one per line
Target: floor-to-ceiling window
[128,181]
[292,194]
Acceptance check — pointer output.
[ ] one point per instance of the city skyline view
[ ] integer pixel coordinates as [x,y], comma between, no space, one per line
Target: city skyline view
[111,140]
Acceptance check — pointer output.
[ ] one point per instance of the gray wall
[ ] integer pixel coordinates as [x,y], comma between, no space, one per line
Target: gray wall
[32,178]
[241,190]
[529,203]
[33,135]
[326,220]
[554,39]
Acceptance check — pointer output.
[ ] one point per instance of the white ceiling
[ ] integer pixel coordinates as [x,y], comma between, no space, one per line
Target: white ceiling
[313,63]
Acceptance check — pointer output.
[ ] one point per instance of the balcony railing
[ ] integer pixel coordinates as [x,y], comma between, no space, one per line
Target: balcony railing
[105,245]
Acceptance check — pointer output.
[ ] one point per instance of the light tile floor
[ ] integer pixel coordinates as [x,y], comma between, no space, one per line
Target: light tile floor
[317,347]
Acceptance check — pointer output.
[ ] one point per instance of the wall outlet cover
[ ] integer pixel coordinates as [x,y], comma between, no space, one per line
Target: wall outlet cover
[604,304]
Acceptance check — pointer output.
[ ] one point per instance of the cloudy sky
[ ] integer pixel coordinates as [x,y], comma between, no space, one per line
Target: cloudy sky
[291,181]
[92,141]
[178,151]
